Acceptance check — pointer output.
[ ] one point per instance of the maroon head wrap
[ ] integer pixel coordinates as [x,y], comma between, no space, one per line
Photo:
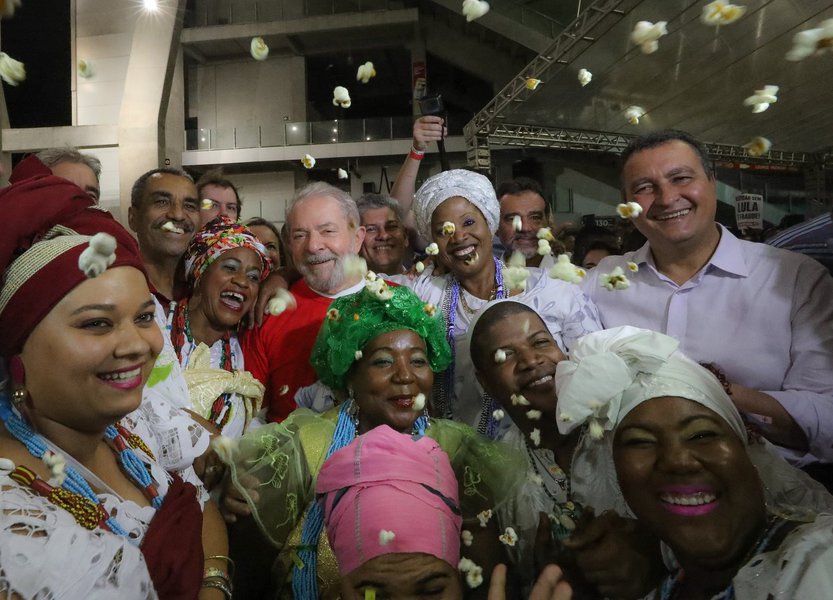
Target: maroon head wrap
[48,222]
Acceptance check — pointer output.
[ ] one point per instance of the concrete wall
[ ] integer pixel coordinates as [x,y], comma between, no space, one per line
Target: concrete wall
[247,93]
[265,194]
[103,36]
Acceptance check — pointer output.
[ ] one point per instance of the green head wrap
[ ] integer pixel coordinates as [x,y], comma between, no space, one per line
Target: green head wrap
[354,320]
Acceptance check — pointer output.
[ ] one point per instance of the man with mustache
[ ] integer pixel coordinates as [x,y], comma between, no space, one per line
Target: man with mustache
[760,314]
[164,212]
[322,228]
[523,211]
[386,237]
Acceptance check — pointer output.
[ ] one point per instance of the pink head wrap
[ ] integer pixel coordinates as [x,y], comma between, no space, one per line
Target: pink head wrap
[385,480]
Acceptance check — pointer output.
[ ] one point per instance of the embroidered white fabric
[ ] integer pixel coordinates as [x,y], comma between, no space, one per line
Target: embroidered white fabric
[45,554]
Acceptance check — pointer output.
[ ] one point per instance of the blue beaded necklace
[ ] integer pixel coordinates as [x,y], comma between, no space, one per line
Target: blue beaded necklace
[75,482]
[305,571]
[450,309]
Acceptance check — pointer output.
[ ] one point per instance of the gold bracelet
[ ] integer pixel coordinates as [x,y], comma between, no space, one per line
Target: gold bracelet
[225,558]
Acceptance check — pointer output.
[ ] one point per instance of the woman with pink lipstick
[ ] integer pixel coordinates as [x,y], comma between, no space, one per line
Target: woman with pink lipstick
[89,505]
[224,265]
[378,350]
[459,212]
[717,496]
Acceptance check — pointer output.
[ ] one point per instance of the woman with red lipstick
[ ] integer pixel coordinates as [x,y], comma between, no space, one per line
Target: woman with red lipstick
[89,506]
[224,265]
[459,211]
[378,351]
[689,470]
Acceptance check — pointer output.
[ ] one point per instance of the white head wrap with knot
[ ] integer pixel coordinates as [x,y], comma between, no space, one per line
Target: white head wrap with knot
[472,186]
[609,373]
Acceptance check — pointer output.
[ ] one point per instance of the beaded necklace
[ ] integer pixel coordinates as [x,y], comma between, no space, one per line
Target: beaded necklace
[672,583]
[444,393]
[179,326]
[75,495]
[305,571]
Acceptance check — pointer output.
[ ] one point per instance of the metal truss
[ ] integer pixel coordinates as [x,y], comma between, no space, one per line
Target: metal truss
[488,125]
[583,32]
[535,136]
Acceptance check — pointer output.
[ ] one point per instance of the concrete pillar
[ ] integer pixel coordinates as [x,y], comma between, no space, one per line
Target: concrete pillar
[147,92]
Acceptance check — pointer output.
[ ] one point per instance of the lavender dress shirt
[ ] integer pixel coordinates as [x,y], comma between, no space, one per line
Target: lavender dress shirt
[763,315]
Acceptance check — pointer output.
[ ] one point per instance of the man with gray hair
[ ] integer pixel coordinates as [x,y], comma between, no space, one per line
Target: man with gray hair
[386,238]
[322,228]
[84,170]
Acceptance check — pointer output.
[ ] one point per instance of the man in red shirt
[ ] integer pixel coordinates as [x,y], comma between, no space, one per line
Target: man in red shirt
[322,228]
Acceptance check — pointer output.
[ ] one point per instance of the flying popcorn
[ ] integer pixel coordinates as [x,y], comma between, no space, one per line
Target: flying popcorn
[386,537]
[448,229]
[283,301]
[509,537]
[545,233]
[761,99]
[432,249]
[498,414]
[429,309]
[584,77]
[633,114]
[11,71]
[258,49]
[354,266]
[517,223]
[533,415]
[467,537]
[515,273]
[519,400]
[100,254]
[342,174]
[721,13]
[544,247]
[812,41]
[633,267]
[758,146]
[474,9]
[535,436]
[615,280]
[171,227]
[629,210]
[646,35]
[308,161]
[532,83]
[419,267]
[500,356]
[341,97]
[419,402]
[85,68]
[565,270]
[366,72]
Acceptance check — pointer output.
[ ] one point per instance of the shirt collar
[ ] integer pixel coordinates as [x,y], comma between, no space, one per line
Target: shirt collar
[728,256]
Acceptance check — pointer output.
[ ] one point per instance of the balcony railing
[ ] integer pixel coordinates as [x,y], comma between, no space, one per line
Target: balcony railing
[227,12]
[300,133]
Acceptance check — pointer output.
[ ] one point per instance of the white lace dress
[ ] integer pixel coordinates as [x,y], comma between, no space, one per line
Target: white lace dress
[45,554]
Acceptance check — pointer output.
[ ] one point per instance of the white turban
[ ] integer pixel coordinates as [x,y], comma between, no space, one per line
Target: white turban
[611,372]
[472,186]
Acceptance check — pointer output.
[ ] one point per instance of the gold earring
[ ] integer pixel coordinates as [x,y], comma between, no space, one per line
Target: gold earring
[19,397]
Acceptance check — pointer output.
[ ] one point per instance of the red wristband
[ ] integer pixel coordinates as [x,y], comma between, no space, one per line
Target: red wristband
[416,155]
